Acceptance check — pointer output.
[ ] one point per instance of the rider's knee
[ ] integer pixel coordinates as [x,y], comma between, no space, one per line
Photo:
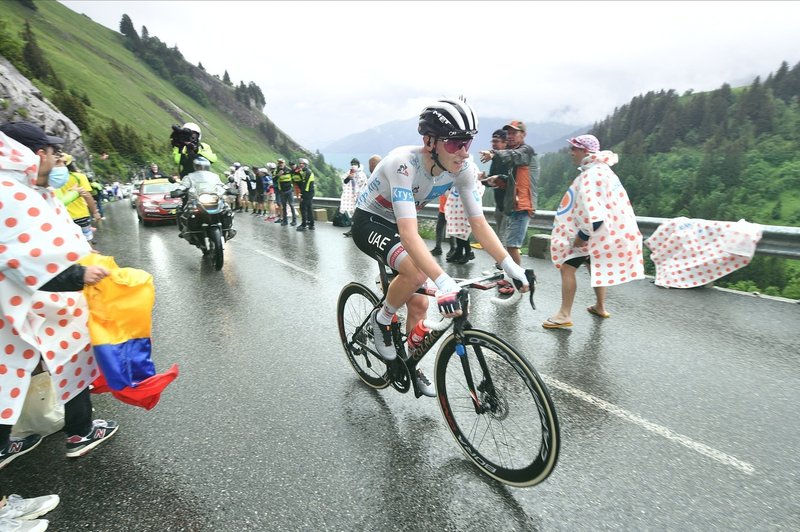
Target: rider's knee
[417,304]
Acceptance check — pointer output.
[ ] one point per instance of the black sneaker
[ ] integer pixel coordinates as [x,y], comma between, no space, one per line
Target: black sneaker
[384,336]
[436,251]
[102,430]
[423,384]
[301,228]
[17,447]
[293,224]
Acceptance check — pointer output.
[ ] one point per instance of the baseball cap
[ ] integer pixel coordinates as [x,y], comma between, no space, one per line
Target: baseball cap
[30,135]
[516,124]
[586,142]
[500,134]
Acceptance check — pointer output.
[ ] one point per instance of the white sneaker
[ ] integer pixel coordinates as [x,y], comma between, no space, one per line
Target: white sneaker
[26,509]
[423,384]
[15,525]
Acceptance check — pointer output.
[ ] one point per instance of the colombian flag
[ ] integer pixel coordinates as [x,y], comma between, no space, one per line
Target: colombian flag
[120,318]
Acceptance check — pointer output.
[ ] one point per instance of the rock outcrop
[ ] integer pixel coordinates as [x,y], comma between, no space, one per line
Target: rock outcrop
[21,100]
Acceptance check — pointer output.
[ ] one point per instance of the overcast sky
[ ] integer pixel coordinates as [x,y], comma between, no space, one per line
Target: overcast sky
[329,69]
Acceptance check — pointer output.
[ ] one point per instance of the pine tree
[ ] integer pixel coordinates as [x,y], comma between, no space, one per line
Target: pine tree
[126,28]
[34,57]
[145,33]
[226,79]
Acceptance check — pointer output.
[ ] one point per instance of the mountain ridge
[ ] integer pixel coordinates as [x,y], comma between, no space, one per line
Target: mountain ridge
[543,136]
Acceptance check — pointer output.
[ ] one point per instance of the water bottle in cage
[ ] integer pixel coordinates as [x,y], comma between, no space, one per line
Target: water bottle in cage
[416,336]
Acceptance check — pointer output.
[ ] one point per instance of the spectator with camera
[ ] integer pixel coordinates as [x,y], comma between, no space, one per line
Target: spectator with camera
[187,146]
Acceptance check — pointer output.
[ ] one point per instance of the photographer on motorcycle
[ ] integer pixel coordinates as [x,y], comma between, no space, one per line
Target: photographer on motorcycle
[186,147]
[201,180]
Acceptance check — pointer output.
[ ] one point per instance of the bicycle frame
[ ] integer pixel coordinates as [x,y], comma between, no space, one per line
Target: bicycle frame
[459,324]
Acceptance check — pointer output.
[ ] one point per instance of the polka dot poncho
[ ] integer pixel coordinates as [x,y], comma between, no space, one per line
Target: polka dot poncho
[38,240]
[615,247]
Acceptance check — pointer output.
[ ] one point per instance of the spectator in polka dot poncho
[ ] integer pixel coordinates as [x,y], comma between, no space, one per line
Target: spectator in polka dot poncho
[44,313]
[594,224]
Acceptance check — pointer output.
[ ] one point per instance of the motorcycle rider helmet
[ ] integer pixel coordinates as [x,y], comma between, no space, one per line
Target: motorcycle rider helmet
[272,166]
[201,163]
[191,126]
[302,161]
[448,118]
[236,165]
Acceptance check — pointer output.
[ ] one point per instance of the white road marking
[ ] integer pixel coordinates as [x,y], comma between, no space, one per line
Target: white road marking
[277,259]
[611,408]
[669,434]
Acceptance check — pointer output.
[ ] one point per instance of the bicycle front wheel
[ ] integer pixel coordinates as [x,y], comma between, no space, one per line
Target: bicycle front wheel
[356,302]
[512,433]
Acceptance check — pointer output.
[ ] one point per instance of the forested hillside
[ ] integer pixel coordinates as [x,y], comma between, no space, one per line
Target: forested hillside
[125,90]
[727,154]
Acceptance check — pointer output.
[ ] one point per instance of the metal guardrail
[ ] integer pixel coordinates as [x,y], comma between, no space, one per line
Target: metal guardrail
[776,240]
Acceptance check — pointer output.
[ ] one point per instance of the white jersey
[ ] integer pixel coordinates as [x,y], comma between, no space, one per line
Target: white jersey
[400,186]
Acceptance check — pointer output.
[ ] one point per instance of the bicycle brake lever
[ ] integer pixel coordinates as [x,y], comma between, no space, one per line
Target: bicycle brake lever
[531,277]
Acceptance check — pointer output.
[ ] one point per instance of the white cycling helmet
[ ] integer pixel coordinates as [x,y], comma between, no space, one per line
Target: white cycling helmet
[303,161]
[272,166]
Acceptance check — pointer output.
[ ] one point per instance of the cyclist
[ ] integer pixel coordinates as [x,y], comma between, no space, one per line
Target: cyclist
[385,219]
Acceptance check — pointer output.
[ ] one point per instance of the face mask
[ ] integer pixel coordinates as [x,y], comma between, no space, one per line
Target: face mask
[58,176]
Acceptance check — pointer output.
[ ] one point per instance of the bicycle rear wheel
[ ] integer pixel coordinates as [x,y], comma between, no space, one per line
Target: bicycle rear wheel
[514,435]
[356,301]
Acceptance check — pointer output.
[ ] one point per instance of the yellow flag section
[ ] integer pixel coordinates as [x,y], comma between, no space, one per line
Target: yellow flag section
[120,320]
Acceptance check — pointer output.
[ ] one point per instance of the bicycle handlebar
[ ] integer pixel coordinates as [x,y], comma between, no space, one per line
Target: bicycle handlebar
[476,282]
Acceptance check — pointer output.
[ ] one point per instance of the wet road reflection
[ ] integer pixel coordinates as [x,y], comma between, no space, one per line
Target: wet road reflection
[267,427]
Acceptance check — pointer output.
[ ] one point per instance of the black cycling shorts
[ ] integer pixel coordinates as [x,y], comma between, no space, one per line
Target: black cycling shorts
[378,238]
[576,262]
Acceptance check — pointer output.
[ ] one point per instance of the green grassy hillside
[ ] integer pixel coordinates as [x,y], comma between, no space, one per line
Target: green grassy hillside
[94,60]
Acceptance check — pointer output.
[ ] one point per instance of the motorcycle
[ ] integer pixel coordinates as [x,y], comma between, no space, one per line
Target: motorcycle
[205,220]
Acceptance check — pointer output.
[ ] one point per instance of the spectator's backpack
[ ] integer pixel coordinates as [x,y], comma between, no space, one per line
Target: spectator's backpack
[342,219]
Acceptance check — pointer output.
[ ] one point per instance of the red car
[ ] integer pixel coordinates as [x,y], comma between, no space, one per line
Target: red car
[154,203]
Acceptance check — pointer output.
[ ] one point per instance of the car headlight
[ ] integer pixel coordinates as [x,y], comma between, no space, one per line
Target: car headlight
[150,204]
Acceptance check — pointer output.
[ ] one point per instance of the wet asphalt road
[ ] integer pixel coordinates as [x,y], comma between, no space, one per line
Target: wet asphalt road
[679,412]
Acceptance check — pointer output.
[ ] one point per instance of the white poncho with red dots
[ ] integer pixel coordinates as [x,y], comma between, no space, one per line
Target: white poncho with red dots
[615,247]
[692,252]
[38,240]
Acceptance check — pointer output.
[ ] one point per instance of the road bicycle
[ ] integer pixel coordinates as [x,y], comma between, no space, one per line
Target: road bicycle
[493,401]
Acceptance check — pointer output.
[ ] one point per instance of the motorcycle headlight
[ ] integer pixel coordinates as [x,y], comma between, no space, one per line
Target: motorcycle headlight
[208,199]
